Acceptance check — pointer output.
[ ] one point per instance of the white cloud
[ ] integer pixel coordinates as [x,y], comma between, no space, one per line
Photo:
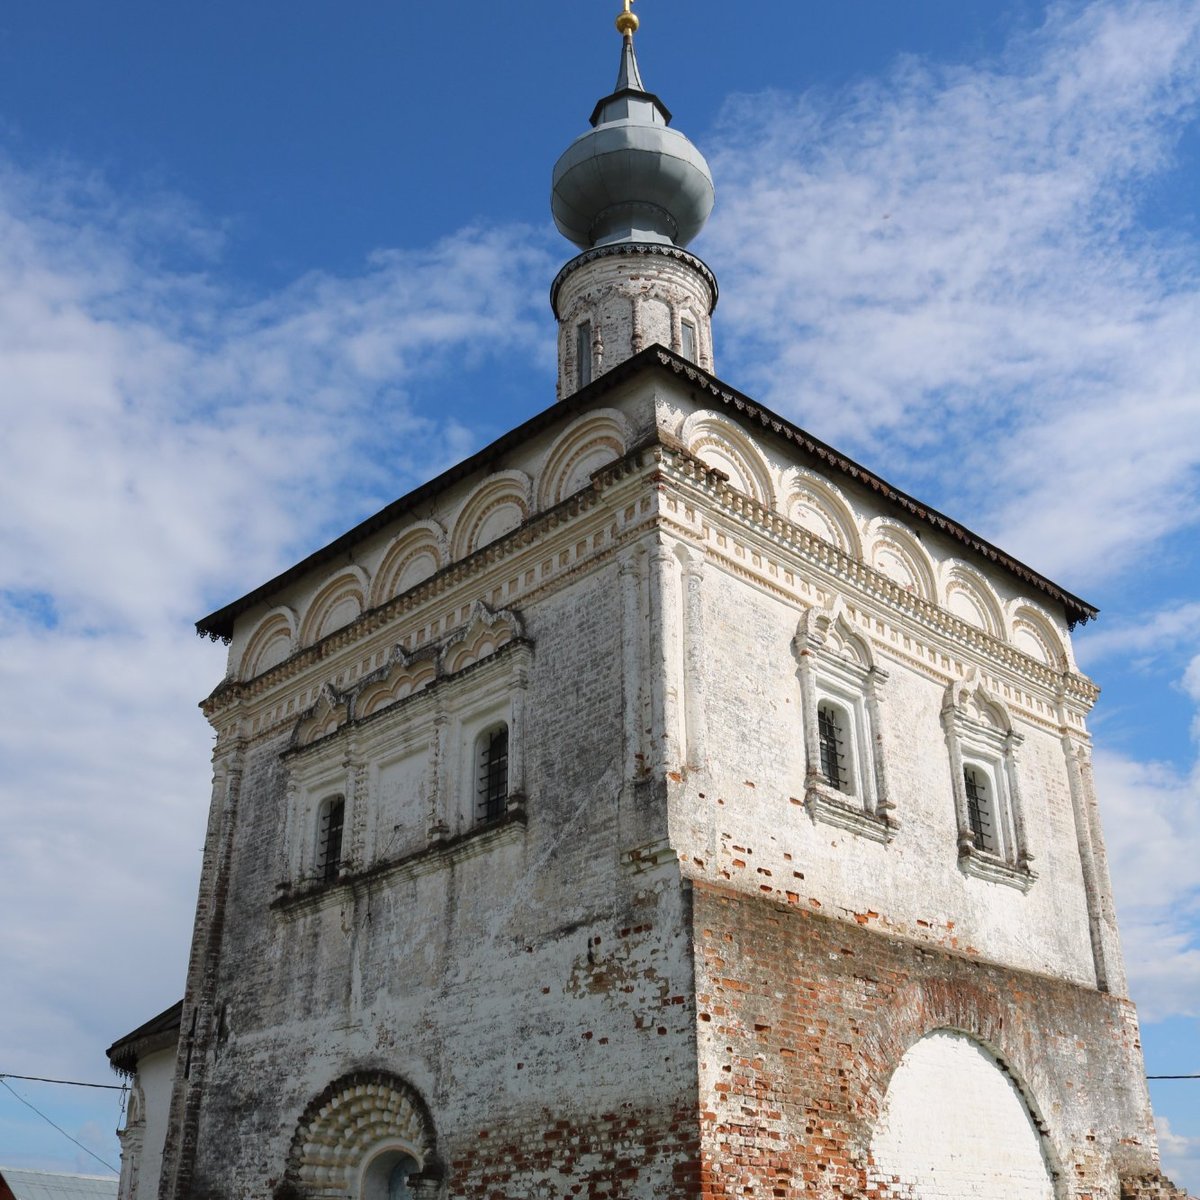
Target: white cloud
[1160,633]
[1180,1154]
[164,444]
[1152,824]
[945,270]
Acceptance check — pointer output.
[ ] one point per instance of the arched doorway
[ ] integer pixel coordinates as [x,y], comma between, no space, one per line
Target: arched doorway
[387,1176]
[955,1124]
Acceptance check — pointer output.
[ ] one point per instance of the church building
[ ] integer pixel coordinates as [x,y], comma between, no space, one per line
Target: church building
[657,805]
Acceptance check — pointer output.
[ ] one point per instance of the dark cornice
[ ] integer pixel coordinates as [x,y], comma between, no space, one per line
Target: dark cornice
[659,360]
[156,1034]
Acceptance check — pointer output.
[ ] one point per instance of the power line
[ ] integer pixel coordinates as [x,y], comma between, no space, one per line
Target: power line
[59,1128]
[1173,1076]
[112,1087]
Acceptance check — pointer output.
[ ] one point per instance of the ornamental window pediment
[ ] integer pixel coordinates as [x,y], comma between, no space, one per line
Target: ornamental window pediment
[840,685]
[425,751]
[985,784]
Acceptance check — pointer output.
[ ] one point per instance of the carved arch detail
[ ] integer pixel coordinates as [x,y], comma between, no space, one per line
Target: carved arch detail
[270,644]
[969,596]
[326,716]
[722,444]
[342,600]
[1032,632]
[586,445]
[405,675]
[496,507]
[818,506]
[894,551]
[416,554]
[345,1126]
[484,633]
[971,697]
[830,629]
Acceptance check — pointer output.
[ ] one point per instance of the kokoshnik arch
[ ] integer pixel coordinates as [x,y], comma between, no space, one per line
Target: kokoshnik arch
[655,804]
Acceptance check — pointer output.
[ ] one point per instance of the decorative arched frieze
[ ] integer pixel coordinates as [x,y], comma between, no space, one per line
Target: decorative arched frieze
[340,601]
[722,444]
[496,507]
[587,444]
[1034,633]
[484,633]
[969,596]
[845,780]
[271,643]
[416,554]
[983,746]
[894,551]
[326,716]
[349,1125]
[816,505]
[403,676]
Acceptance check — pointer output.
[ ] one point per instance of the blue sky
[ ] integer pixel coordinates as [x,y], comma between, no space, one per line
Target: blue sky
[265,267]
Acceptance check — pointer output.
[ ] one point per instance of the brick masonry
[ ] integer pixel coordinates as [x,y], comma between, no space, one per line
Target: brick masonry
[803,1021]
[663,971]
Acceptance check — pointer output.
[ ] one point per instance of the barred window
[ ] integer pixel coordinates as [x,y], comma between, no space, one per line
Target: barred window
[831,734]
[493,773]
[329,838]
[981,809]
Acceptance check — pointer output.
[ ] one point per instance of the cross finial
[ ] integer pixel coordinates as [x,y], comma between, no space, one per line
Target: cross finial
[627,22]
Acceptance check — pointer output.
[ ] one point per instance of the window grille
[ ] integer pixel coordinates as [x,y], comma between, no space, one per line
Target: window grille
[687,339]
[979,809]
[583,352]
[832,742]
[493,773]
[329,839]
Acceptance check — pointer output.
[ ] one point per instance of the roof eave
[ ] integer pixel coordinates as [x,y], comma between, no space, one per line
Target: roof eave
[219,624]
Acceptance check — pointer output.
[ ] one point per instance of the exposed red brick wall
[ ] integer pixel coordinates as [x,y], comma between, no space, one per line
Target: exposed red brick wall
[619,1154]
[803,1019]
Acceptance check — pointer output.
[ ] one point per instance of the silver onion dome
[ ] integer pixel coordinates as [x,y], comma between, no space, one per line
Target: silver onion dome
[631,178]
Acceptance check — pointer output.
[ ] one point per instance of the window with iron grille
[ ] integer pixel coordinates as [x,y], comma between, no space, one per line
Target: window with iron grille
[329,838]
[831,734]
[493,773]
[980,809]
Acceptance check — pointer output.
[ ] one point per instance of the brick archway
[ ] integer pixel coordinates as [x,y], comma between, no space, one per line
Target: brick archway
[341,1128]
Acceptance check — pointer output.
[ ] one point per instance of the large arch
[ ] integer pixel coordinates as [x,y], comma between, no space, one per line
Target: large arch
[955,1122]
[361,1119]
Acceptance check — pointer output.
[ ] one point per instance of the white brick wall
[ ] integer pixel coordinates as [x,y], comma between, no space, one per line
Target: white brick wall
[955,1126]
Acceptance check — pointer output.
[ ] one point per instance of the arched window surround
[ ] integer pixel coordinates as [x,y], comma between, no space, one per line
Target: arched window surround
[838,673]
[983,745]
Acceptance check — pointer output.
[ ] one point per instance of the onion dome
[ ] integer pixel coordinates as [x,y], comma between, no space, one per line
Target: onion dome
[631,178]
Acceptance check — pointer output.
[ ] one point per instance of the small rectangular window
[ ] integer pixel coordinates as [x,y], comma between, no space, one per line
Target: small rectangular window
[831,735]
[583,352]
[493,773]
[687,340]
[980,810]
[329,839]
